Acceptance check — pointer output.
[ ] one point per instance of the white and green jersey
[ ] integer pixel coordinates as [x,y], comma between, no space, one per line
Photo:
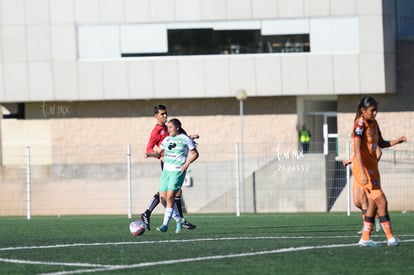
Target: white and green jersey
[176,151]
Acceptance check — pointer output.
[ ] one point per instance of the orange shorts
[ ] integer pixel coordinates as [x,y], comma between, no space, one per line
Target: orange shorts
[373,188]
[373,193]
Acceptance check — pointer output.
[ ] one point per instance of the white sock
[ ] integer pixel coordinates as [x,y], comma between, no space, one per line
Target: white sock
[167,216]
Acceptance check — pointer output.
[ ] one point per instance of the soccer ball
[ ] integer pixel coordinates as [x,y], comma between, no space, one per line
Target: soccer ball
[137,228]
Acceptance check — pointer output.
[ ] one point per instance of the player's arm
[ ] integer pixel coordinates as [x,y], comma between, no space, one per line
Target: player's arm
[389,143]
[192,156]
[358,158]
[157,151]
[155,154]
[150,151]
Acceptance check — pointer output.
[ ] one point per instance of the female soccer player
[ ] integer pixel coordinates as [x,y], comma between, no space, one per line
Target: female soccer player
[160,132]
[358,193]
[367,137]
[179,152]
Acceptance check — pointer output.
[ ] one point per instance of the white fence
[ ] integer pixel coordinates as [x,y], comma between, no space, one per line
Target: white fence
[116,179]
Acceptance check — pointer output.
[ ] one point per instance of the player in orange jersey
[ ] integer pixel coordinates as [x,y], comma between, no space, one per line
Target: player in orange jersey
[366,138]
[358,194]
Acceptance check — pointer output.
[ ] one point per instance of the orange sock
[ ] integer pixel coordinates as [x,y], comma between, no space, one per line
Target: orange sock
[368,225]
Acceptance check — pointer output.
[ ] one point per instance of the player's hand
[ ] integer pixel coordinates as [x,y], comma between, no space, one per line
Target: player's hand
[194,136]
[154,155]
[346,162]
[402,139]
[184,167]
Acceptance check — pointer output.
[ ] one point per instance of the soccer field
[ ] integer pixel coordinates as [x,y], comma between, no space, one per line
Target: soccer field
[323,243]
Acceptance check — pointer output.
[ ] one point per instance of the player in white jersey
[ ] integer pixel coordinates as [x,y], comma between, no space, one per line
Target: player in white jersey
[179,152]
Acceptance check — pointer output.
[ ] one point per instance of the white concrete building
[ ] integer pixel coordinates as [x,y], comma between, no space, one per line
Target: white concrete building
[124,50]
[71,50]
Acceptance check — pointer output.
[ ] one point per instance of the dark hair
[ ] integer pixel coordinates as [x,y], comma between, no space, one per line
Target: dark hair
[177,124]
[365,103]
[157,108]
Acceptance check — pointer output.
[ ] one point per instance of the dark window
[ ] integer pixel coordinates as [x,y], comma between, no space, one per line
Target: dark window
[209,41]
[16,110]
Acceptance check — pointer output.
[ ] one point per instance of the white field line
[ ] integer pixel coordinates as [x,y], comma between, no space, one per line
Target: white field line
[16,261]
[169,241]
[177,241]
[98,267]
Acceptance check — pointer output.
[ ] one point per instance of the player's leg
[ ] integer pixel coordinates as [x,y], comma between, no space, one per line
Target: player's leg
[178,219]
[167,212]
[155,200]
[172,183]
[360,200]
[385,220]
[145,217]
[178,203]
[165,177]
[369,220]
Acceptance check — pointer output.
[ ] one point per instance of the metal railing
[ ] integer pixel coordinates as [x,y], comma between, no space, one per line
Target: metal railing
[116,179]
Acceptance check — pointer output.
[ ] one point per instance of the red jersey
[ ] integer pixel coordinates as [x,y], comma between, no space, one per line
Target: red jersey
[157,136]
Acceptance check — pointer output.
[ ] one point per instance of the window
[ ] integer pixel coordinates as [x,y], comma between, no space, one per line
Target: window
[330,34]
[209,41]
[405,18]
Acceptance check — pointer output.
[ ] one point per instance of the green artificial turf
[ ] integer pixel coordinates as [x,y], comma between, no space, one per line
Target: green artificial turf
[321,243]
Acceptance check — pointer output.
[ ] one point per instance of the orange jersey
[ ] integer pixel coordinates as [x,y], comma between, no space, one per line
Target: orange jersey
[370,136]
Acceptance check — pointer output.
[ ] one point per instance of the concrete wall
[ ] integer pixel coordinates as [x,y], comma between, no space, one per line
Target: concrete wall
[112,125]
[103,189]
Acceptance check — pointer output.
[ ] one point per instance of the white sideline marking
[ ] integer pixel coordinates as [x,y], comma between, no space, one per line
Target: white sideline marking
[217,257]
[100,267]
[16,261]
[169,241]
[177,241]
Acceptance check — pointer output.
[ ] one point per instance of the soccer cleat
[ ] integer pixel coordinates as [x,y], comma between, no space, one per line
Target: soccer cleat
[188,225]
[146,219]
[360,231]
[162,228]
[178,227]
[367,243]
[377,225]
[393,241]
